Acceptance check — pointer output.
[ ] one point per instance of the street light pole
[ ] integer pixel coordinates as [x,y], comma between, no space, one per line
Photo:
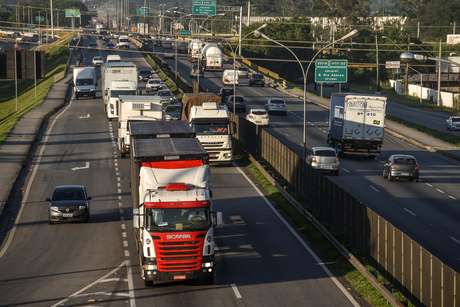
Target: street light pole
[52,23]
[439,102]
[377,68]
[305,75]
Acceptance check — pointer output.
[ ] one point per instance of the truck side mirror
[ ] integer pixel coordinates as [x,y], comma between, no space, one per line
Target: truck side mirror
[136,218]
[220,219]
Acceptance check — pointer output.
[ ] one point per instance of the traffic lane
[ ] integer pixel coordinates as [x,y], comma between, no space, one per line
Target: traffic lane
[431,119]
[46,263]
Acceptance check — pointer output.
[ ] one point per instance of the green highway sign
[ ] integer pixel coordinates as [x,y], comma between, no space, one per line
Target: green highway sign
[185,33]
[72,13]
[204,7]
[331,71]
[142,11]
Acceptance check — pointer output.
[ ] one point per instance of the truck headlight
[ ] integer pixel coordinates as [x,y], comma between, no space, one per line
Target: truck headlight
[208,264]
[54,208]
[82,207]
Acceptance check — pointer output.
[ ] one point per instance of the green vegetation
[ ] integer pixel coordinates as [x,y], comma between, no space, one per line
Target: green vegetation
[8,91]
[57,52]
[337,264]
[26,101]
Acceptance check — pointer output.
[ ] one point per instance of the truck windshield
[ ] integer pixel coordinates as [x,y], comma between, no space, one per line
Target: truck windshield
[80,82]
[172,219]
[210,128]
[117,93]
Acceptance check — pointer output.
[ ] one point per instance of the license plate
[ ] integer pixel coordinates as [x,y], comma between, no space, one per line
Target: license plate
[67,214]
[180,277]
[404,174]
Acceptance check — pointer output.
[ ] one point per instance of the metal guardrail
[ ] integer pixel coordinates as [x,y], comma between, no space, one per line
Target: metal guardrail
[422,276]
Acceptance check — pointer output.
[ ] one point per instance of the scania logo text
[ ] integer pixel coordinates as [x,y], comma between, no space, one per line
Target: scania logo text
[178,236]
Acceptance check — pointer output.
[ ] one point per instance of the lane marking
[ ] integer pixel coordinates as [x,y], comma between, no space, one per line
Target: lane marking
[124,263]
[429,184]
[440,191]
[119,191]
[345,170]
[455,240]
[77,168]
[85,116]
[12,232]
[123,226]
[132,298]
[125,243]
[123,234]
[410,212]
[300,240]
[126,252]
[236,291]
[452,197]
[374,188]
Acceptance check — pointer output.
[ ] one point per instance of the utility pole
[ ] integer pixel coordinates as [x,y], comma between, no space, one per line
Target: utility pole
[248,22]
[241,26]
[52,22]
[35,73]
[377,68]
[418,29]
[439,102]
[16,76]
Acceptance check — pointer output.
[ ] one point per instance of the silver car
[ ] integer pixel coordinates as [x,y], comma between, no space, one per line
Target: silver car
[69,203]
[325,159]
[453,123]
[276,105]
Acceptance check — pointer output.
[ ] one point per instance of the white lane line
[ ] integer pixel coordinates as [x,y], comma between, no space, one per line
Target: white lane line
[115,163]
[61,302]
[12,232]
[345,170]
[120,204]
[117,173]
[452,197]
[119,191]
[300,240]
[455,239]
[123,234]
[76,168]
[123,226]
[119,197]
[132,298]
[119,184]
[236,291]
[126,253]
[410,212]
[440,191]
[125,243]
[85,116]
[429,184]
[374,188]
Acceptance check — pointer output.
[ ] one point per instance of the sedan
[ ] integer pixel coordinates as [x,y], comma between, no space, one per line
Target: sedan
[98,61]
[258,117]
[144,74]
[324,159]
[69,203]
[236,102]
[257,80]
[154,85]
[276,105]
[401,166]
[453,123]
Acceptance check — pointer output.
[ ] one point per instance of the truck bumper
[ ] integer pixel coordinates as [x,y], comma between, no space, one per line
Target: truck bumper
[206,272]
[224,156]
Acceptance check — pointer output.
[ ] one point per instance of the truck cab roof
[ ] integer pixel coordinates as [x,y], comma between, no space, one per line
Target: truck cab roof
[208,110]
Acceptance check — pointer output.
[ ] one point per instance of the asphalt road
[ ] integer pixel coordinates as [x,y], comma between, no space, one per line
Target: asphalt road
[261,262]
[428,211]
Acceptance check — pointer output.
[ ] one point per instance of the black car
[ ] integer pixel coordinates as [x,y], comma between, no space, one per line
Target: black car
[238,104]
[144,74]
[401,166]
[225,92]
[69,203]
[257,80]
[110,45]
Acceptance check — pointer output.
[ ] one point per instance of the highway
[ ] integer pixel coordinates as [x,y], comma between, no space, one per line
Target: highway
[261,261]
[428,211]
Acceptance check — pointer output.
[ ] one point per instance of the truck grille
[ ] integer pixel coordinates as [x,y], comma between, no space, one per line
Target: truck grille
[212,145]
[179,256]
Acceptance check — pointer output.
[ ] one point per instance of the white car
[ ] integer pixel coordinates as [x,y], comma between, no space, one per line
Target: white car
[154,85]
[453,123]
[276,105]
[98,61]
[324,159]
[258,116]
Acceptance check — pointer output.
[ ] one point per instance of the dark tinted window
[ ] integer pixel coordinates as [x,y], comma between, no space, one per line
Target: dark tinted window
[257,77]
[277,101]
[68,194]
[404,161]
[259,112]
[237,99]
[325,153]
[455,119]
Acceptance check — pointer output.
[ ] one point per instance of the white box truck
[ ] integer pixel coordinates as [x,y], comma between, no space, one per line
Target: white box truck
[194,50]
[212,57]
[357,123]
[135,108]
[123,42]
[116,71]
[211,124]
[84,82]
[116,89]
[230,77]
